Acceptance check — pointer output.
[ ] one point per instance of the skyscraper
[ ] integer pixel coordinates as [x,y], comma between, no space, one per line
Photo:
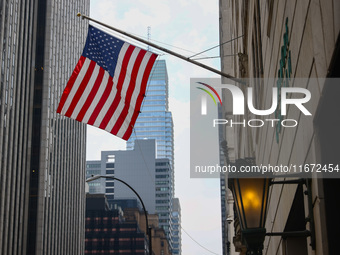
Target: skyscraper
[136,167]
[155,122]
[150,177]
[176,225]
[164,194]
[155,119]
[42,155]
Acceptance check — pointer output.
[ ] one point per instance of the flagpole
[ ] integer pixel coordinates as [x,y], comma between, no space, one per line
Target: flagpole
[163,49]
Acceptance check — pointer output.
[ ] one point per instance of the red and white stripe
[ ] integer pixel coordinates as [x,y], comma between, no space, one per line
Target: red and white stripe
[92,96]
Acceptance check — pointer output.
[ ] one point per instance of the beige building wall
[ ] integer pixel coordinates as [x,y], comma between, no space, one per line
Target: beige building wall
[313,30]
[160,243]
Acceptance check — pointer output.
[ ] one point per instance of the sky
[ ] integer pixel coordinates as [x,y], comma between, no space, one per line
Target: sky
[187,27]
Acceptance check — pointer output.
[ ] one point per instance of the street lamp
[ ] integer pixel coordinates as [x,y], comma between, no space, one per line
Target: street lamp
[148,229]
[251,196]
[251,200]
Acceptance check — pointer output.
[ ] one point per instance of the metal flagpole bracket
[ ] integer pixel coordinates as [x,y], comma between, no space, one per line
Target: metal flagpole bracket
[80,15]
[241,81]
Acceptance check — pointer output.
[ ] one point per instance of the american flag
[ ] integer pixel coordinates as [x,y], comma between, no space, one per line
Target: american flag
[108,84]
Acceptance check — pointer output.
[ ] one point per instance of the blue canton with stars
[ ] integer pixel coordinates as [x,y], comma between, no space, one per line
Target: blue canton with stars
[103,49]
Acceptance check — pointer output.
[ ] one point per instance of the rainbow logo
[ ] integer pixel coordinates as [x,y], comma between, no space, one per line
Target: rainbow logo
[204,98]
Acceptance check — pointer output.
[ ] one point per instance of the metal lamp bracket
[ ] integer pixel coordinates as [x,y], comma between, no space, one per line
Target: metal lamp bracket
[307,233]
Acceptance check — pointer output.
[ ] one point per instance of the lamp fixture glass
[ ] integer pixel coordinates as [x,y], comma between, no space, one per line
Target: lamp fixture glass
[251,195]
[251,198]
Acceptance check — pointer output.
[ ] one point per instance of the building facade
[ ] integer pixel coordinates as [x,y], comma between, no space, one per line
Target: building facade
[155,122]
[155,119]
[42,155]
[164,195]
[150,177]
[160,243]
[176,227]
[223,193]
[292,41]
[108,232]
[118,230]
[93,168]
[136,167]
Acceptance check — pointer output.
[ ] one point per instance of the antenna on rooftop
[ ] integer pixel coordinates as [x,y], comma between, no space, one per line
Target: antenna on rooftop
[149,37]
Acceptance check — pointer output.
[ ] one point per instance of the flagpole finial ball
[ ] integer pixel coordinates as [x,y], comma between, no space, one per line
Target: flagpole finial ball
[79,14]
